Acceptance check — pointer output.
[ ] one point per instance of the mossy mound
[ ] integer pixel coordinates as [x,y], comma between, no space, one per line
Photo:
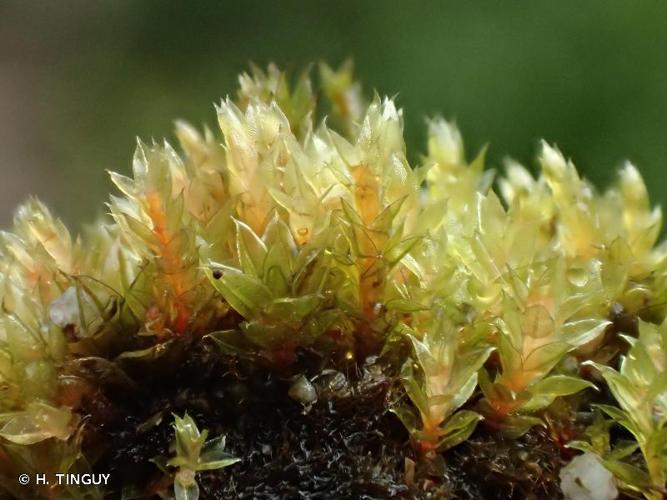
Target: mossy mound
[291,308]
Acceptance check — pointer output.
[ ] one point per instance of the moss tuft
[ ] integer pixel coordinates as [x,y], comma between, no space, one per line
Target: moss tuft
[290,273]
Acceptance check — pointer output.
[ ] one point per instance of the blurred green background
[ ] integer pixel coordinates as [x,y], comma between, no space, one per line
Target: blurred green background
[80,79]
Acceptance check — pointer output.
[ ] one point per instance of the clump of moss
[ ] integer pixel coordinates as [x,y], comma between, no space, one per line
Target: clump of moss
[308,256]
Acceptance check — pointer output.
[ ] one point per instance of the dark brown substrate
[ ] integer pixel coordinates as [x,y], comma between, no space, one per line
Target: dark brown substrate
[348,445]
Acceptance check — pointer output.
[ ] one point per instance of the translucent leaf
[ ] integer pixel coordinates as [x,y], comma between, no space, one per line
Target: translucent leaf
[214,456]
[232,343]
[404,306]
[580,332]
[124,183]
[400,250]
[458,428]
[582,446]
[39,421]
[517,425]
[386,219]
[138,228]
[561,385]
[250,249]
[545,357]
[269,336]
[622,450]
[632,477]
[294,309]
[223,460]
[407,417]
[413,389]
[245,293]
[276,280]
[546,390]
[626,394]
[537,402]
[186,491]
[619,417]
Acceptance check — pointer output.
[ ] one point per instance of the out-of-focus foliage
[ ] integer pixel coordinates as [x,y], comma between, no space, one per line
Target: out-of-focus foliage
[289,233]
[586,75]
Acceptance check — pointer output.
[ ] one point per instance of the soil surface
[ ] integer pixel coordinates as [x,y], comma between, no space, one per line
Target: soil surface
[346,445]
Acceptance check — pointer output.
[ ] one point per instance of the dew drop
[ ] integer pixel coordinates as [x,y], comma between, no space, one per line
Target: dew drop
[577,276]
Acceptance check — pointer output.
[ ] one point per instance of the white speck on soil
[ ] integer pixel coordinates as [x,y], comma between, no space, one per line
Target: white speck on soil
[303,391]
[585,478]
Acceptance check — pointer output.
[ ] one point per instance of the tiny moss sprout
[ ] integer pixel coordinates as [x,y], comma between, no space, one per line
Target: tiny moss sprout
[192,453]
